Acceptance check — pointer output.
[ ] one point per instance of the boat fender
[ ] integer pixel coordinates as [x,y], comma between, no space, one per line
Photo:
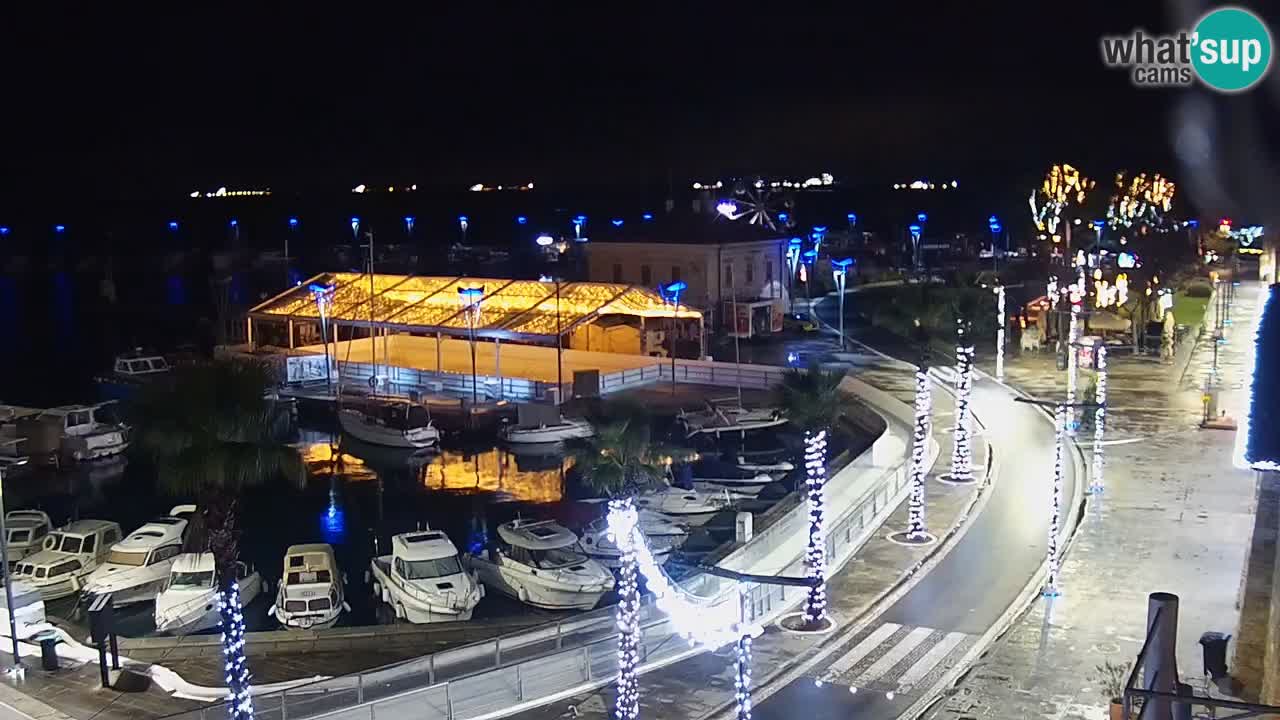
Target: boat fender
[368,576]
[522,595]
[377,588]
[346,606]
[400,613]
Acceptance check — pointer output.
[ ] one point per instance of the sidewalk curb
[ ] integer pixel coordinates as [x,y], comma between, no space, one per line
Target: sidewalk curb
[1022,603]
[908,580]
[26,705]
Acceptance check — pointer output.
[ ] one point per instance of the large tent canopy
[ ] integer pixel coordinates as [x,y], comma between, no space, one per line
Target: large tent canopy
[518,309]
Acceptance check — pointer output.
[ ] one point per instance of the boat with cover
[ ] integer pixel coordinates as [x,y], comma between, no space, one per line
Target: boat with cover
[541,563]
[423,579]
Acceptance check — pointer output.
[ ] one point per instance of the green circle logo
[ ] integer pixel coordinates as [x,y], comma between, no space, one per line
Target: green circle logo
[1231,49]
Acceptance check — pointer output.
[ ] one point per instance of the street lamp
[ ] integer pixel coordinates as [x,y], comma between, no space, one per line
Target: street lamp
[408,224]
[819,232]
[793,259]
[671,294]
[355,227]
[915,230]
[8,576]
[545,240]
[463,224]
[579,222]
[808,257]
[323,295]
[993,224]
[840,268]
[470,297]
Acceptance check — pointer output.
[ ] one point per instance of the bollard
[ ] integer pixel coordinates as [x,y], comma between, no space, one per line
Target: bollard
[1160,668]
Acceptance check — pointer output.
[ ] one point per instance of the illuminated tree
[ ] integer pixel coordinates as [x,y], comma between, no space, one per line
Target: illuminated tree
[1141,201]
[1063,186]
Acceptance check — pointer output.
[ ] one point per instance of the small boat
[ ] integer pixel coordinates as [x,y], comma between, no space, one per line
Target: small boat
[189,601]
[724,474]
[310,596]
[69,554]
[423,579]
[77,432]
[663,535]
[716,420]
[564,429]
[780,466]
[692,507]
[739,492]
[390,422]
[137,567]
[27,530]
[541,564]
[130,372]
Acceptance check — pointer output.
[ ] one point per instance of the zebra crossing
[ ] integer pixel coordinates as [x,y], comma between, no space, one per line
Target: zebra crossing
[896,658]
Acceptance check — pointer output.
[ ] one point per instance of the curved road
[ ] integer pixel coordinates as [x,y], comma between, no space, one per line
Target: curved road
[888,664]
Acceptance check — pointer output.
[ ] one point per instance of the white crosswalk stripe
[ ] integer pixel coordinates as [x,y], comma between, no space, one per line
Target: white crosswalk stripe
[859,651]
[930,660]
[895,655]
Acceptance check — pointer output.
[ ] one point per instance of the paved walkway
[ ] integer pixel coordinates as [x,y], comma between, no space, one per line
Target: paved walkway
[1175,516]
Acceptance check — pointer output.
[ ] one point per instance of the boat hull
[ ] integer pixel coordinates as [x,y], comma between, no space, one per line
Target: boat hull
[547,435]
[354,424]
[523,587]
[416,609]
[200,611]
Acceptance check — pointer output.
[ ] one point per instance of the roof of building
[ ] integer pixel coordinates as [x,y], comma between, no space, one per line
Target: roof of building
[709,228]
[521,309]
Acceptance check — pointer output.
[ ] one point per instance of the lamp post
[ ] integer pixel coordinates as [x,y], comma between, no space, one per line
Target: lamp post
[993,224]
[463,224]
[323,295]
[915,229]
[293,227]
[579,222]
[840,268]
[8,576]
[408,225]
[793,259]
[671,293]
[1096,482]
[808,258]
[471,297]
[819,233]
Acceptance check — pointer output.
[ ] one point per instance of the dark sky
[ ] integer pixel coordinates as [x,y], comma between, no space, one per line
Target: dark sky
[114,104]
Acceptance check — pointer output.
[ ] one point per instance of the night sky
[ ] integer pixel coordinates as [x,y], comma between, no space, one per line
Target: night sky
[117,107]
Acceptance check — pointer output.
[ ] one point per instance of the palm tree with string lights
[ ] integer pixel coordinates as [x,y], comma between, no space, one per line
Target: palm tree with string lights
[213,434]
[812,402]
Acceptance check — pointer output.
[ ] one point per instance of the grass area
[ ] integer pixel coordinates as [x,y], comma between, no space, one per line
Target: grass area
[1188,310]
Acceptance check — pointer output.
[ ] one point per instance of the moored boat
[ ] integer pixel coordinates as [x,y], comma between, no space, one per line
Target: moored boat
[541,563]
[423,579]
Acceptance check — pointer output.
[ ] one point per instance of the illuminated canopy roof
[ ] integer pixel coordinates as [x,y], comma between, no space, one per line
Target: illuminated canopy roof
[522,309]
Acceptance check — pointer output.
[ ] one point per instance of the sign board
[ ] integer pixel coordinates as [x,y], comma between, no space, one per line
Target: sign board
[306,368]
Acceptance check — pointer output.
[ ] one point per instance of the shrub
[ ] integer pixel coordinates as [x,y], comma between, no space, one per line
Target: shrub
[1198,288]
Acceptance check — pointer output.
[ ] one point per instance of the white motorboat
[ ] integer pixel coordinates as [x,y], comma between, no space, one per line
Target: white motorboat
[27,530]
[130,372]
[663,535]
[737,492]
[714,472]
[137,567]
[390,422]
[311,590]
[423,579]
[717,420]
[564,429]
[692,507]
[69,554]
[781,466]
[189,601]
[541,564]
[77,432]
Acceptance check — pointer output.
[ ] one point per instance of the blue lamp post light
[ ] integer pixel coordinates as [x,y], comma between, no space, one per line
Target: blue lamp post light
[808,258]
[840,269]
[522,220]
[579,222]
[4,230]
[993,224]
[819,232]
[293,223]
[355,227]
[617,222]
[853,220]
[915,230]
[173,226]
[647,217]
[323,295]
[59,229]
[784,218]
[463,223]
[408,224]
[671,294]
[793,259]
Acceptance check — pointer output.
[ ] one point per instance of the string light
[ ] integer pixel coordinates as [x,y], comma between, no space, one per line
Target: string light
[915,504]
[1055,511]
[742,677]
[1072,362]
[1000,324]
[815,455]
[1096,483]
[623,520]
[239,694]
[961,450]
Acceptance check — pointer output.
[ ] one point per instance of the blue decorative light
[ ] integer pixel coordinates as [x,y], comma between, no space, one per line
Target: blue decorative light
[915,229]
[59,228]
[673,290]
[810,256]
[852,218]
[4,229]
[521,220]
[1193,223]
[408,223]
[355,225]
[293,222]
[784,217]
[842,264]
[922,218]
[646,217]
[173,224]
[819,229]
[234,222]
[617,222]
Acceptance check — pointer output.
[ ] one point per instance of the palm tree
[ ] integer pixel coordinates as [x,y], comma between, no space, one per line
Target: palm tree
[212,434]
[813,403]
[622,458]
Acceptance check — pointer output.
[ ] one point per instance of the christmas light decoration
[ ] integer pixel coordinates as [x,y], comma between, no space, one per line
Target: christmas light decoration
[742,677]
[961,450]
[1000,325]
[1073,331]
[236,671]
[1096,483]
[1055,510]
[1255,445]
[1062,186]
[815,456]
[622,532]
[1141,201]
[916,531]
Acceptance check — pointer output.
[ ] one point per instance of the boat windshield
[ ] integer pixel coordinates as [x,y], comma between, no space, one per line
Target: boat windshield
[125,557]
[558,557]
[70,544]
[192,579]
[427,569]
[19,536]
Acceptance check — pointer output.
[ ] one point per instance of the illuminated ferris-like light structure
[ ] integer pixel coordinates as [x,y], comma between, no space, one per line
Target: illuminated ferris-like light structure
[1141,201]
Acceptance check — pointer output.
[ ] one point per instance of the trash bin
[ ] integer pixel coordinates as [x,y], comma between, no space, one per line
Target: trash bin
[1214,645]
[49,653]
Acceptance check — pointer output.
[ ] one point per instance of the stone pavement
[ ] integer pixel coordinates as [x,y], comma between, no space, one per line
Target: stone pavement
[703,685]
[1176,516]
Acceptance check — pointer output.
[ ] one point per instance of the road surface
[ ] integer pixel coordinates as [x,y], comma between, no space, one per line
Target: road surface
[882,670]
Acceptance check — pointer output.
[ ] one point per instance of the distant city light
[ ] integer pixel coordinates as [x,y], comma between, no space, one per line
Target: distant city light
[727,208]
[224,192]
[59,228]
[358,189]
[646,217]
[617,222]
[545,240]
[293,222]
[1126,260]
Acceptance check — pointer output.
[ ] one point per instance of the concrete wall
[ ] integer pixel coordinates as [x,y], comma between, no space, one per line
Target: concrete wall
[1256,665]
